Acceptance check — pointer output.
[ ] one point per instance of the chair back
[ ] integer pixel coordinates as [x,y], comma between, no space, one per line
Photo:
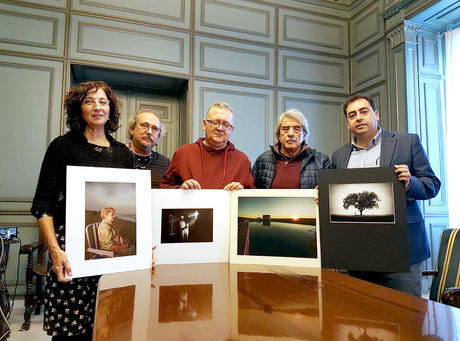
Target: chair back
[448,264]
[91,235]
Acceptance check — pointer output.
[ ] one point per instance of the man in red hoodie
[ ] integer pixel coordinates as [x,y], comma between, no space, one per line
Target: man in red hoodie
[212,162]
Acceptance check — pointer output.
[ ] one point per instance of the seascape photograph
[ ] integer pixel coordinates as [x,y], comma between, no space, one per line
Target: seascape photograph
[277,226]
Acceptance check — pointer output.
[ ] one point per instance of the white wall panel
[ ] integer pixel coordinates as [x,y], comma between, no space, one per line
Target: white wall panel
[308,71]
[379,96]
[325,119]
[31,92]
[313,31]
[253,114]
[171,12]
[232,61]
[236,19]
[367,27]
[111,42]
[31,30]
[368,67]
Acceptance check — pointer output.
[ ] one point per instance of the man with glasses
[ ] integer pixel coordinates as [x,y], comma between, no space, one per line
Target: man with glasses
[212,161]
[144,133]
[290,163]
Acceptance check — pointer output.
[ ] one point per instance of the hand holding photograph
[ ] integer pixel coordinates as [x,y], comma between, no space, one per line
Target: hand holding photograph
[363,220]
[108,220]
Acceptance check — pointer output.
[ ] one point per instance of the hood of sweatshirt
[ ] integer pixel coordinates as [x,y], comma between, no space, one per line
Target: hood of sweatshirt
[228,148]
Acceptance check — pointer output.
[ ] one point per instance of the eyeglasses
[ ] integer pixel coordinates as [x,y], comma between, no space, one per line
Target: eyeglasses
[145,127]
[297,129]
[216,124]
[91,102]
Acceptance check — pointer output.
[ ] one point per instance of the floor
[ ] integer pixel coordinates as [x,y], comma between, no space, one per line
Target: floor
[35,332]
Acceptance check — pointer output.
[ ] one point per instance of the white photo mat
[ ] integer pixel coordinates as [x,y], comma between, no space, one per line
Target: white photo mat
[77,177]
[141,279]
[192,252]
[271,260]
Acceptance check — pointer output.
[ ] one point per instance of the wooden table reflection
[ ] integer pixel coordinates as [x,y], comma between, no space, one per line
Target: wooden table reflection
[243,302]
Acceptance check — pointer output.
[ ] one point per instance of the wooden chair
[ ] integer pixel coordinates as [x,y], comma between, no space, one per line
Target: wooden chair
[445,287]
[39,270]
[93,243]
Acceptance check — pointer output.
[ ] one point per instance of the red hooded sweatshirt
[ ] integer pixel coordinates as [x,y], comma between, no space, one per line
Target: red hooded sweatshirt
[211,168]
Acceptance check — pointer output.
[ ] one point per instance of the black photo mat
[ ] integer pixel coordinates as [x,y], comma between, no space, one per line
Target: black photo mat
[362,215]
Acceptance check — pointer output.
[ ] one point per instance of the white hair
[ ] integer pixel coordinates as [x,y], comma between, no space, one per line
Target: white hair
[297,115]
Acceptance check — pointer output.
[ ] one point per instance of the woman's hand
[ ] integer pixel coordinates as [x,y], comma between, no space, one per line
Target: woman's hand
[154,259]
[61,264]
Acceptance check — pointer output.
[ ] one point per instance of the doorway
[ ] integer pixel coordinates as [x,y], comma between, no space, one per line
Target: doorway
[166,96]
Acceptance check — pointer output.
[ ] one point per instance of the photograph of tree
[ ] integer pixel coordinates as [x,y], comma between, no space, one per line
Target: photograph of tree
[362,203]
[277,226]
[110,220]
[186,225]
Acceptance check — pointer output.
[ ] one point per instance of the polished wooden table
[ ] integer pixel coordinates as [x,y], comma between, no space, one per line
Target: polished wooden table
[243,302]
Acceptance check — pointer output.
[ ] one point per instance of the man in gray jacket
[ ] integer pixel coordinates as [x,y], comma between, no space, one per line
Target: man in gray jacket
[290,163]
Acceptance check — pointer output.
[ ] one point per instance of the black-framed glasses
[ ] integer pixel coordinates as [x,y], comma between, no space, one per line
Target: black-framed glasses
[216,124]
[145,127]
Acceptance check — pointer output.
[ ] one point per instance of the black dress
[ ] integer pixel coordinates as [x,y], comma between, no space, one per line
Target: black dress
[69,307]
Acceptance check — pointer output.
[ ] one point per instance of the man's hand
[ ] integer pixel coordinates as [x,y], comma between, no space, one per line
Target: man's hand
[403,175]
[316,196]
[233,186]
[190,184]
[61,264]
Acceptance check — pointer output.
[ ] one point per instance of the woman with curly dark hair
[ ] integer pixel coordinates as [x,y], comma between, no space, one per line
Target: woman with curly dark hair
[92,113]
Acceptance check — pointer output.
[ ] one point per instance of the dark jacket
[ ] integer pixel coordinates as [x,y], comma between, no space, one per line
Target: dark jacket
[264,168]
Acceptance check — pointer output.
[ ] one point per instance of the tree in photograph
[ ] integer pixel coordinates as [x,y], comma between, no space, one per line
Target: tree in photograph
[364,200]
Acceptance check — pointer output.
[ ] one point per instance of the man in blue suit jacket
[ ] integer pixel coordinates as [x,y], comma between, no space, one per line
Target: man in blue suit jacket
[373,146]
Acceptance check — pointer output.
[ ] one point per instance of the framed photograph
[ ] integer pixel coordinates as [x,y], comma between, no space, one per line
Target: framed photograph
[123,299]
[196,296]
[108,220]
[363,220]
[190,226]
[273,226]
[260,310]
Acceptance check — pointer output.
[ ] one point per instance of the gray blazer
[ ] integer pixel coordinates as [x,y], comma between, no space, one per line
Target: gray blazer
[405,149]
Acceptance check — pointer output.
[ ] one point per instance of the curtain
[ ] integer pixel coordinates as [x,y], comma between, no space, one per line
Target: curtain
[452,40]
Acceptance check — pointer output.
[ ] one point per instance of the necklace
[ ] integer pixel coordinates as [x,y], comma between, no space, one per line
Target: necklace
[141,161]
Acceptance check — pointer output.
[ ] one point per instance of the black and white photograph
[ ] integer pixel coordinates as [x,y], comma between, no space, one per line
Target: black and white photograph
[187,225]
[366,203]
[362,213]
